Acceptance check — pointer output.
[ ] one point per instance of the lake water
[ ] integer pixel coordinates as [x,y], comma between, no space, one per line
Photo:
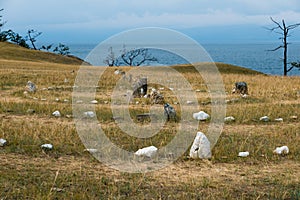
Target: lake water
[252,56]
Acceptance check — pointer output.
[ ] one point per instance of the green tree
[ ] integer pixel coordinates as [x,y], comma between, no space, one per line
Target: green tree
[62,49]
[295,64]
[47,48]
[17,39]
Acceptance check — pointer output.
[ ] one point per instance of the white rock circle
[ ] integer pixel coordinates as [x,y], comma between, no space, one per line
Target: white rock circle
[90,131]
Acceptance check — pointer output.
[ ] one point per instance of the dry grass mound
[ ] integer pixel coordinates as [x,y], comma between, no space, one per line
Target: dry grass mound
[11,51]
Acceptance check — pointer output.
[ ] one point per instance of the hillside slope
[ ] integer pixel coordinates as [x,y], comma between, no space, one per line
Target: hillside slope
[11,51]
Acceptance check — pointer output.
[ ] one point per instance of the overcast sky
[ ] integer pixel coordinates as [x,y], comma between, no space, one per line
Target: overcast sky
[90,21]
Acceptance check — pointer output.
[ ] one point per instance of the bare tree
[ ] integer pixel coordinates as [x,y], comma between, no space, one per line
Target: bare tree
[1,23]
[135,57]
[32,35]
[283,30]
[110,59]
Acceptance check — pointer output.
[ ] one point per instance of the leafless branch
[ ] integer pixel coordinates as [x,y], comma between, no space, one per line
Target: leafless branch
[278,25]
[279,47]
[290,27]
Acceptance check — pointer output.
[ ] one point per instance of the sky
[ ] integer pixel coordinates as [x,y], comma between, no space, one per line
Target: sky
[206,21]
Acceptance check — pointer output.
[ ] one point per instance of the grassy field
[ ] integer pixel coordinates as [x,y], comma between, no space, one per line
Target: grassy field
[69,172]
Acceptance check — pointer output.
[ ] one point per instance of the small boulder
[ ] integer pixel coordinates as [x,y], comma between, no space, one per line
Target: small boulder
[294,117]
[89,114]
[200,147]
[190,102]
[47,146]
[149,152]
[229,119]
[94,102]
[30,87]
[3,142]
[281,150]
[56,113]
[264,119]
[91,150]
[79,101]
[243,154]
[278,120]
[201,116]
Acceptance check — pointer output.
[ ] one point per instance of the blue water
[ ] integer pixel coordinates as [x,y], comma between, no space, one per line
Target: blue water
[252,56]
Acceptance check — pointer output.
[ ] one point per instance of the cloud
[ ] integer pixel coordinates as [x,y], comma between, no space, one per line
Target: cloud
[173,20]
[104,16]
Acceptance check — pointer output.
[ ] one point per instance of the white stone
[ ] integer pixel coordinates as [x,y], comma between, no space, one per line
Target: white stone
[94,102]
[79,101]
[31,86]
[117,72]
[57,99]
[200,147]
[264,119]
[279,120]
[281,150]
[91,150]
[2,142]
[90,114]
[229,119]
[189,102]
[243,154]
[47,146]
[56,113]
[147,152]
[294,117]
[201,116]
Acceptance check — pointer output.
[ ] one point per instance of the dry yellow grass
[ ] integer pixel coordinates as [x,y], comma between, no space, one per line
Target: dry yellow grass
[68,172]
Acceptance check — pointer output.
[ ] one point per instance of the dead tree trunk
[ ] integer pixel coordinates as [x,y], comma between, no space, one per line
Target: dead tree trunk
[284,31]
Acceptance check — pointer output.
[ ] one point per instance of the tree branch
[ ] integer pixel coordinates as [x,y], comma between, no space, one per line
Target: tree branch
[278,25]
[290,27]
[290,69]
[279,47]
